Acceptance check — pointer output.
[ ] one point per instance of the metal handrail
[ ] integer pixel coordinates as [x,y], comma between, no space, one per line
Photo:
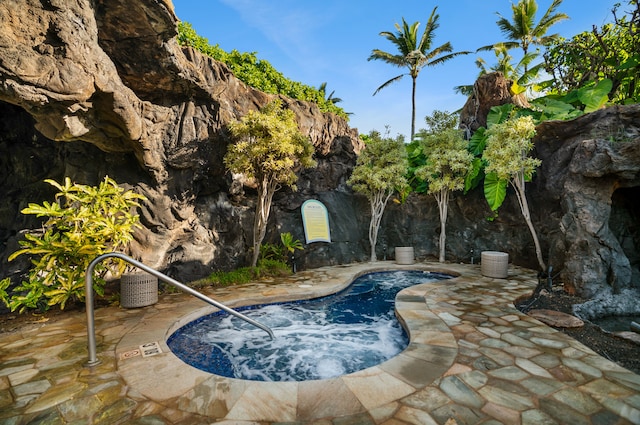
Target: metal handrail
[88,280]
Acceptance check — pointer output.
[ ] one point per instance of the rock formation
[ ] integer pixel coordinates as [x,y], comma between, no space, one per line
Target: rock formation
[94,88]
[591,166]
[113,77]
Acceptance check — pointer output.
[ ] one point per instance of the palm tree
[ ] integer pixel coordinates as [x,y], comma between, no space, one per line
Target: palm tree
[516,73]
[330,98]
[523,31]
[413,53]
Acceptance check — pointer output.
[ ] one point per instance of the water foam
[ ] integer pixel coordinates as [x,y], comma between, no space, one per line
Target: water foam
[316,339]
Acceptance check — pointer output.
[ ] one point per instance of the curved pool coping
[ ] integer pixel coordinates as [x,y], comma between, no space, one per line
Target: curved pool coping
[430,354]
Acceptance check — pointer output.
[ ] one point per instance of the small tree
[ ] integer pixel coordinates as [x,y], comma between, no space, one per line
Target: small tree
[447,163]
[269,149]
[84,223]
[506,154]
[380,170]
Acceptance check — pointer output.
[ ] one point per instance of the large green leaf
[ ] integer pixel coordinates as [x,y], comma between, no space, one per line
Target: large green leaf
[595,97]
[555,109]
[474,176]
[478,141]
[499,114]
[495,190]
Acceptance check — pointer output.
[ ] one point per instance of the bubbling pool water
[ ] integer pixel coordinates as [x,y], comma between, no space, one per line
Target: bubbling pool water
[315,339]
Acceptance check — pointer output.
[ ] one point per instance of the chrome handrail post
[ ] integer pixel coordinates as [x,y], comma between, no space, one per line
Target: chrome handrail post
[88,280]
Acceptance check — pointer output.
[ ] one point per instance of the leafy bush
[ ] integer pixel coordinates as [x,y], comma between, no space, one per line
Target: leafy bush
[258,73]
[83,223]
[265,268]
[280,253]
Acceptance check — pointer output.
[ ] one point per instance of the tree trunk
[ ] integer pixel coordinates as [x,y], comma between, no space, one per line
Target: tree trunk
[443,204]
[378,204]
[266,189]
[413,108]
[518,184]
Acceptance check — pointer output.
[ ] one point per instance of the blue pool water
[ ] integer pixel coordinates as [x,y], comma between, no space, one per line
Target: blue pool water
[315,339]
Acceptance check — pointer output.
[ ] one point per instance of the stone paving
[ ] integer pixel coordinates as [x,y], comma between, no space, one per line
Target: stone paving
[472,359]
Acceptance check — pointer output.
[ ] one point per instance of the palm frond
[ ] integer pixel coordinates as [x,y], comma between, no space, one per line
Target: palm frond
[391,81]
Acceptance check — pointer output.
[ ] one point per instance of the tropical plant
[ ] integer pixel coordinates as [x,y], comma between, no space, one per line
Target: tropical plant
[438,122]
[269,149]
[380,171]
[516,73]
[413,53]
[523,31]
[257,73]
[83,223]
[506,155]
[447,163]
[610,52]
[280,252]
[329,98]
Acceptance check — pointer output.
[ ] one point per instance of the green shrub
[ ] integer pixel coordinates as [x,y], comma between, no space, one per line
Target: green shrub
[258,73]
[83,223]
[265,268]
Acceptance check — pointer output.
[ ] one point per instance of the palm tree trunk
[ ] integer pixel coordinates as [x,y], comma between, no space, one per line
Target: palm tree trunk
[413,107]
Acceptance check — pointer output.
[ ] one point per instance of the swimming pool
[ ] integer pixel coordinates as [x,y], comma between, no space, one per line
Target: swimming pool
[315,339]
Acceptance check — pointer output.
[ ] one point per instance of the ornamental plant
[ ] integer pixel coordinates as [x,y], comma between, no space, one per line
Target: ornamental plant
[447,164]
[380,170]
[506,155]
[269,149]
[82,223]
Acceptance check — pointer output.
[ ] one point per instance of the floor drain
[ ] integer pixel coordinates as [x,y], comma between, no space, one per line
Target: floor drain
[150,349]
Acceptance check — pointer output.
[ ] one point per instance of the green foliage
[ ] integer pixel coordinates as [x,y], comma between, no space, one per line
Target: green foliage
[280,252]
[495,190]
[264,269]
[522,31]
[269,146]
[413,53]
[438,122]
[258,73]
[290,244]
[475,174]
[381,166]
[447,161]
[415,160]
[607,52]
[506,156]
[379,172]
[83,223]
[269,149]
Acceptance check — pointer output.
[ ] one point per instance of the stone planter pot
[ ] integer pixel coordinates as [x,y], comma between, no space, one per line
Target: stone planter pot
[138,290]
[404,255]
[494,264]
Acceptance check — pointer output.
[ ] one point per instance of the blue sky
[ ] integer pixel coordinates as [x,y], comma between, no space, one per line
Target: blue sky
[330,40]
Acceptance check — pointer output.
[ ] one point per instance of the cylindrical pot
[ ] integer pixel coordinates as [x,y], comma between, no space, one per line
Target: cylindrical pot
[404,255]
[138,290]
[494,264]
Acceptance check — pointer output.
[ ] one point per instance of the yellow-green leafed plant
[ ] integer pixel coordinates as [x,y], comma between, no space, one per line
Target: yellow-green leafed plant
[82,223]
[508,162]
[447,163]
[269,149]
[379,172]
